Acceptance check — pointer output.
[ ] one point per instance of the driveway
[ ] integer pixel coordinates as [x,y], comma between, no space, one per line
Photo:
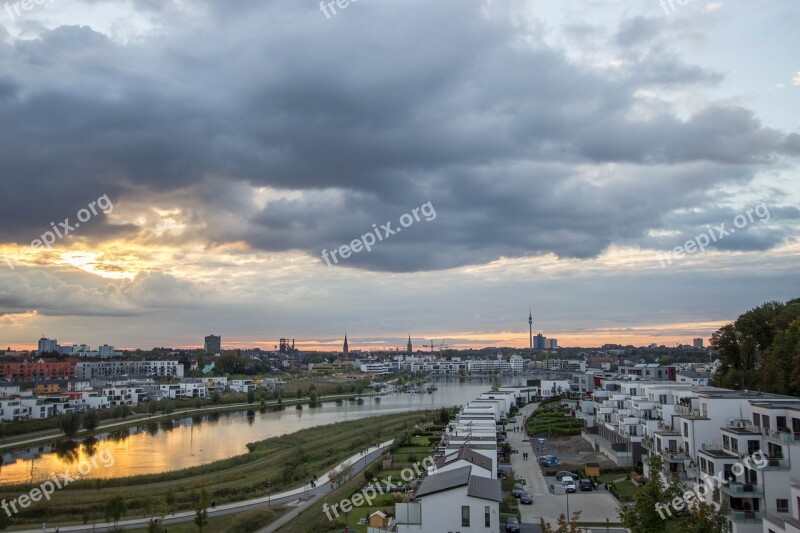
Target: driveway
[596,506]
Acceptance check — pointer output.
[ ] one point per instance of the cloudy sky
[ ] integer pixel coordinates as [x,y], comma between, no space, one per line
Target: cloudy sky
[557,147]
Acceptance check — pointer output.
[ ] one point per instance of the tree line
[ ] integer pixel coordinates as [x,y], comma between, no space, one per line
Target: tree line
[760,350]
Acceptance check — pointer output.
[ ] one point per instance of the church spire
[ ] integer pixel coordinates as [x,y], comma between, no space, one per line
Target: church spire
[345,348]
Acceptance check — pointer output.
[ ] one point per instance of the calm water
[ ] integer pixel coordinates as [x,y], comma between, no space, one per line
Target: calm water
[201,440]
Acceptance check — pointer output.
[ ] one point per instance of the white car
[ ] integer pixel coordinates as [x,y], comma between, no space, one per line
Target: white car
[569,484]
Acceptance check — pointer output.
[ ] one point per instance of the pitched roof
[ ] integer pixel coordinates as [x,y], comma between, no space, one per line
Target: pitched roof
[485,488]
[444,481]
[467,454]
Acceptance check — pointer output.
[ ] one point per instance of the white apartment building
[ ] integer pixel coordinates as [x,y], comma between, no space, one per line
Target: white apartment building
[117,369]
[242,385]
[454,500]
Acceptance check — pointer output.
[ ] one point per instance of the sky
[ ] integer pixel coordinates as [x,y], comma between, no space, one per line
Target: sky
[172,169]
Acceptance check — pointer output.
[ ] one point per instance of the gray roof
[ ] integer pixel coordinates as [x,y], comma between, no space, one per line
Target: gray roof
[485,488]
[468,455]
[444,481]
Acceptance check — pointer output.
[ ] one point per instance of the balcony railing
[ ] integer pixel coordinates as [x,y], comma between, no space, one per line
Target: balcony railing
[743,490]
[781,437]
[777,463]
[747,516]
[674,457]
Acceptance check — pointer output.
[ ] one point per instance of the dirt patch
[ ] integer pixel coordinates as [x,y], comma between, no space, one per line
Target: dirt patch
[573,450]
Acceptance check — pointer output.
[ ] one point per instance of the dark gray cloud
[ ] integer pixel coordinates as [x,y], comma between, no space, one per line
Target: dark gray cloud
[370,114]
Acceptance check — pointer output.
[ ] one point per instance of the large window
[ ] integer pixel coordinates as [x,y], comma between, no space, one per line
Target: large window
[487,517]
[465,516]
[782,505]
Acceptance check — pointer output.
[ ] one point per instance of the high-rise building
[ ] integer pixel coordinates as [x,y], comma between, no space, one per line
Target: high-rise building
[106,350]
[698,343]
[213,344]
[48,345]
[551,344]
[539,342]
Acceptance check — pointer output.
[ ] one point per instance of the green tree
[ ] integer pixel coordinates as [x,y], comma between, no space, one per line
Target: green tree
[251,396]
[115,508]
[169,499]
[69,423]
[312,396]
[704,518]
[444,416]
[215,397]
[91,420]
[201,510]
[642,516]
[279,396]
[152,407]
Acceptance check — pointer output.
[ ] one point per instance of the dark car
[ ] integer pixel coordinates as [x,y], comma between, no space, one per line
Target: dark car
[585,484]
[561,473]
[512,524]
[526,498]
[501,473]
[517,490]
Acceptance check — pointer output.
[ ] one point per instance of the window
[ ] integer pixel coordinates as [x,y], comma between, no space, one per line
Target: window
[685,429]
[756,419]
[487,518]
[753,446]
[765,421]
[782,505]
[780,422]
[726,442]
[465,516]
[734,445]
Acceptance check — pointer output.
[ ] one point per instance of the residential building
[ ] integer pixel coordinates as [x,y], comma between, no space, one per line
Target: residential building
[213,344]
[454,500]
[47,345]
[122,369]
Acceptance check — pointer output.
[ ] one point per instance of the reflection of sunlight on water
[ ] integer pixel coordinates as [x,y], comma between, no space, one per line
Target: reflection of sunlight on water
[157,447]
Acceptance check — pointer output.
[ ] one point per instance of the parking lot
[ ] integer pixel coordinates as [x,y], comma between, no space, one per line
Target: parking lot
[595,506]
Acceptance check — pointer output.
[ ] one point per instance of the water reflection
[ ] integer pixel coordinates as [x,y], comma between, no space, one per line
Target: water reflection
[160,447]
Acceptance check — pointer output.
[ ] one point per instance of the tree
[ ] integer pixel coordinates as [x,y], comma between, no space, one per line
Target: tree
[91,420]
[564,525]
[69,423]
[251,396]
[444,416]
[643,516]
[152,407]
[201,510]
[312,396]
[169,499]
[704,518]
[279,396]
[115,508]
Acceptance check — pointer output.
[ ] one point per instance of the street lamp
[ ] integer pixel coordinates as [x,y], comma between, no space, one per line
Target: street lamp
[269,494]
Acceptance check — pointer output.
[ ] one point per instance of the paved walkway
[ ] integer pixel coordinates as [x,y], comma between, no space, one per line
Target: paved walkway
[323,487]
[596,505]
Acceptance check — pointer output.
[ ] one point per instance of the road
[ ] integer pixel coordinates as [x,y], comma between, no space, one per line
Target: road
[596,506]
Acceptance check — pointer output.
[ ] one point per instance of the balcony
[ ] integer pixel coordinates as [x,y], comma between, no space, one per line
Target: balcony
[743,490]
[777,463]
[746,516]
[781,437]
[675,457]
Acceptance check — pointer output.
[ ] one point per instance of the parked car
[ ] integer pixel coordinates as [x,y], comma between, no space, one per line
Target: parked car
[526,498]
[513,420]
[569,484]
[517,490]
[585,484]
[561,473]
[548,460]
[501,473]
[512,524]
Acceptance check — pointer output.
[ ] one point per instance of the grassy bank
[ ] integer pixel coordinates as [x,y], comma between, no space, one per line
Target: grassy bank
[285,462]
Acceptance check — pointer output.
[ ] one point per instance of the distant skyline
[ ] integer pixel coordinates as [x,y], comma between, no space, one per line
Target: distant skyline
[565,148]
